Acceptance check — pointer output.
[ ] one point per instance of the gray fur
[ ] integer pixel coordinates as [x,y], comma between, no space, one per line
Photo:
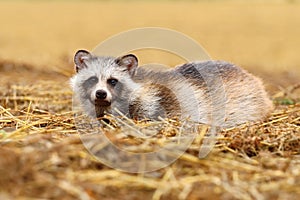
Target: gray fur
[212,92]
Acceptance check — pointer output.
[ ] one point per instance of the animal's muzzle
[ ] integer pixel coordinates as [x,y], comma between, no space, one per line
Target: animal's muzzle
[101,98]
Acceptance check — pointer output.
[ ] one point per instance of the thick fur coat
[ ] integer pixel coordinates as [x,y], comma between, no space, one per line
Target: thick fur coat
[212,92]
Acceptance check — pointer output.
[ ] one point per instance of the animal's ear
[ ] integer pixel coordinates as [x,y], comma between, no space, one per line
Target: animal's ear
[79,59]
[130,62]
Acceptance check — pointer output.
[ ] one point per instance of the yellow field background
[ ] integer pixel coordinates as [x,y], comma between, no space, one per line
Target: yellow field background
[263,37]
[41,153]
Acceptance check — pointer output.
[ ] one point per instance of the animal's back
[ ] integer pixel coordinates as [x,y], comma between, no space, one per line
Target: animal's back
[245,97]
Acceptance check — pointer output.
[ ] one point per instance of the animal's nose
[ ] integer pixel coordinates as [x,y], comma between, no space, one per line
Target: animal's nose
[101,94]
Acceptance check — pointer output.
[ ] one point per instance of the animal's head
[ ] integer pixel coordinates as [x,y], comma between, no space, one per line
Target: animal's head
[100,81]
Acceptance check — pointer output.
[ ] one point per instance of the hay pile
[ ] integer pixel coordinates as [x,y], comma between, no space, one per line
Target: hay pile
[42,156]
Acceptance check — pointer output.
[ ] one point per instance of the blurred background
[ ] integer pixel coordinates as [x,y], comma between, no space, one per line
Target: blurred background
[41,154]
[38,38]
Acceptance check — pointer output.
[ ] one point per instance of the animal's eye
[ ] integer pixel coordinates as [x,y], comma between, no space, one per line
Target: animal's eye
[93,80]
[112,81]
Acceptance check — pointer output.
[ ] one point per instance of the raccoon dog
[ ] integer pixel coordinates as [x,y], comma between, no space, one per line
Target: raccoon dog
[212,92]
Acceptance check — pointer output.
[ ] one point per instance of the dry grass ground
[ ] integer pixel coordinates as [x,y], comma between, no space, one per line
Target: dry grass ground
[41,154]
